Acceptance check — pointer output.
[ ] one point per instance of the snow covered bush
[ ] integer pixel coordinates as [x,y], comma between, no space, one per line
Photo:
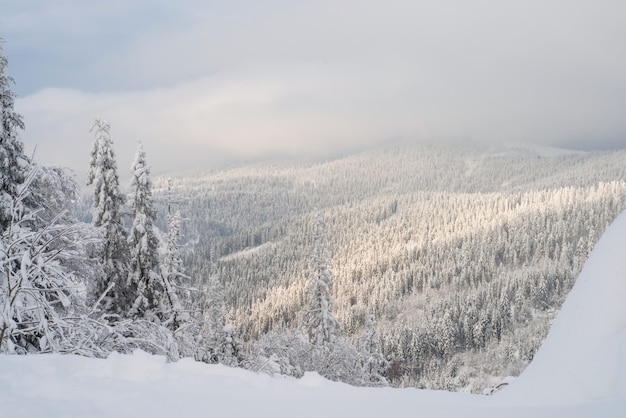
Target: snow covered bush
[36,289]
[280,353]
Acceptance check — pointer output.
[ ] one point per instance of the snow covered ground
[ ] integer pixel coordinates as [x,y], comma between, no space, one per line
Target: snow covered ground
[580,371]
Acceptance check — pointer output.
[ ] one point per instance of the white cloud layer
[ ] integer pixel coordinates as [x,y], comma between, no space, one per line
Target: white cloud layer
[201,81]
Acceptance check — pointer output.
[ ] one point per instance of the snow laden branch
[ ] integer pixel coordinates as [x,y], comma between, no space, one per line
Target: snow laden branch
[36,290]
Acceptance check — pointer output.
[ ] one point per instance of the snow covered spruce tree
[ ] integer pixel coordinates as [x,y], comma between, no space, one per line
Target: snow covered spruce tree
[172,272]
[141,307]
[144,277]
[318,321]
[37,289]
[181,314]
[172,265]
[156,282]
[374,363]
[220,343]
[13,163]
[331,355]
[107,217]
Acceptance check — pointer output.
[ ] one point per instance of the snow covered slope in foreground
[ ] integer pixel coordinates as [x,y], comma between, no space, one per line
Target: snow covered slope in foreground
[583,359]
[579,372]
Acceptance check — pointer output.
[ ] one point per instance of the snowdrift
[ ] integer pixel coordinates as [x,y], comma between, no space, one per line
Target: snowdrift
[580,371]
[583,358]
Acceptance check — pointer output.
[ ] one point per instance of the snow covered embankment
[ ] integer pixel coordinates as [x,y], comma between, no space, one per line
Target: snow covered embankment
[583,358]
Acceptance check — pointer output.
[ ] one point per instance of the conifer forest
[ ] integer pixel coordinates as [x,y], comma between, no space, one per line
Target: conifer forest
[427,265]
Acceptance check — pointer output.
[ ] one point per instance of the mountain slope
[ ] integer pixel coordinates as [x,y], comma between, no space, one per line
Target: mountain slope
[463,254]
[578,372]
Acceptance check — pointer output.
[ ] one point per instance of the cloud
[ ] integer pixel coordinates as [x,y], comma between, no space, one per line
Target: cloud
[314,78]
[207,120]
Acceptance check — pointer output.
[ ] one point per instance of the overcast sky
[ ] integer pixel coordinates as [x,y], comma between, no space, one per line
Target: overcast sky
[201,81]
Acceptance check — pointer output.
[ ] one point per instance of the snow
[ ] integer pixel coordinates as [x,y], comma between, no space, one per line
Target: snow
[248,252]
[580,371]
[584,356]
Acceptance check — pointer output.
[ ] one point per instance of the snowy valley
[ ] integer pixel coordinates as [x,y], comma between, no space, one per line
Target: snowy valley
[375,283]
[463,254]
[578,372]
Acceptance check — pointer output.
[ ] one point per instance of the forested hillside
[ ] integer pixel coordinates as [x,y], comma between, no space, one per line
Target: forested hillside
[434,266]
[462,254]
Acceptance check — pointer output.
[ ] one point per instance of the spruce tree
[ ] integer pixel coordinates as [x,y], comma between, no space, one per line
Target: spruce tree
[374,363]
[172,261]
[14,165]
[212,306]
[37,287]
[144,245]
[318,321]
[171,274]
[107,216]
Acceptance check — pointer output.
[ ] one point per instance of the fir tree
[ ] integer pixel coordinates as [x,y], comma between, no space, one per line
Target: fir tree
[318,321]
[144,277]
[107,216]
[36,286]
[219,340]
[228,350]
[13,163]
[172,272]
[374,363]
[212,303]
[172,261]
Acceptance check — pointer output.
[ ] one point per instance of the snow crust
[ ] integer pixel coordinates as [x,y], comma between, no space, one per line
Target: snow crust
[580,371]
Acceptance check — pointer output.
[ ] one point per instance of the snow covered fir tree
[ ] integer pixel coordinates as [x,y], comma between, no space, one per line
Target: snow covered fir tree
[448,262]
[14,164]
[144,278]
[318,321]
[38,286]
[108,201]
